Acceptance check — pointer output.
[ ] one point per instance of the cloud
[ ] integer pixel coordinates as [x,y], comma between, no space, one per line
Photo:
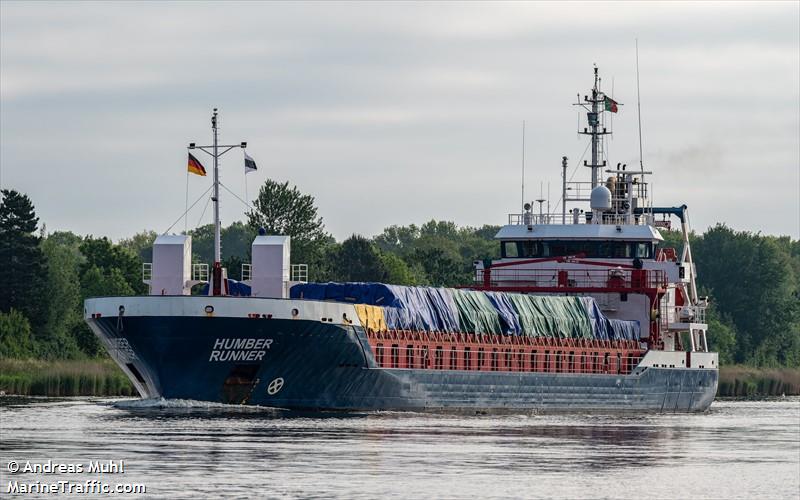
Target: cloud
[392,113]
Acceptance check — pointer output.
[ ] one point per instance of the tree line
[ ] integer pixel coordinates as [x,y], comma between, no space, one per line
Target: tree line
[753,280]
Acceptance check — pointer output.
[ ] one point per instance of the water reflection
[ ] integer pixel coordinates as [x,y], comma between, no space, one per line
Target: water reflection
[368,455]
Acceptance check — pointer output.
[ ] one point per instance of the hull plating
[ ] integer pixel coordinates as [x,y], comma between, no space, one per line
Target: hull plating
[304,364]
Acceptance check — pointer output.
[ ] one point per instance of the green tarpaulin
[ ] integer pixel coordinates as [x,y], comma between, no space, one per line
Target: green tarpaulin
[475,312]
[552,316]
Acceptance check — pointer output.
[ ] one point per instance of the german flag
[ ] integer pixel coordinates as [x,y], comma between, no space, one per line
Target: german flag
[195,167]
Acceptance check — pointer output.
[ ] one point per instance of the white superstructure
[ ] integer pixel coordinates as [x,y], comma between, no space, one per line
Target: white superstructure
[609,250]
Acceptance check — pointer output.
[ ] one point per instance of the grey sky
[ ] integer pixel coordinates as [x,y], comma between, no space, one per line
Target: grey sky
[394,113]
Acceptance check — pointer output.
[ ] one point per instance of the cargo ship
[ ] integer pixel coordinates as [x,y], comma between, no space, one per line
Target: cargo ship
[584,310]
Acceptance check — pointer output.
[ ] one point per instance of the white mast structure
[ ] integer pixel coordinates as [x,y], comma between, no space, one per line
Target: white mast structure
[216,287]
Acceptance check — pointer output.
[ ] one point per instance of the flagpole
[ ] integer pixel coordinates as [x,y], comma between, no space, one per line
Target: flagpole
[186,206]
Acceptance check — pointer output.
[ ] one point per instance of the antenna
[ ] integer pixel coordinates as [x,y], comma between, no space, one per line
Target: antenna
[541,201]
[523,163]
[548,199]
[639,106]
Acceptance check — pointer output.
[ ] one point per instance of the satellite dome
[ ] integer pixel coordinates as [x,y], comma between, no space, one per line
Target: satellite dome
[600,199]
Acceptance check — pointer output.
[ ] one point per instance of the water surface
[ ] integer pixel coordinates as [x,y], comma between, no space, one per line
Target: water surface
[737,450]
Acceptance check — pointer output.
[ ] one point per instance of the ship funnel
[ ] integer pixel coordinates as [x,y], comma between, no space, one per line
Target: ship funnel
[600,199]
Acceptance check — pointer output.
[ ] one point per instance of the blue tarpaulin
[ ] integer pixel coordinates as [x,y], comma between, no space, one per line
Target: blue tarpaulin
[509,321]
[627,330]
[235,289]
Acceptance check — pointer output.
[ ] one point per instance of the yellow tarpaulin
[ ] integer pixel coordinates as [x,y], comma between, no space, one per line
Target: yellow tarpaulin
[371,317]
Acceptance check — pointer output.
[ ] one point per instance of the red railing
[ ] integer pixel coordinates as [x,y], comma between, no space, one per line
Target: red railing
[615,278]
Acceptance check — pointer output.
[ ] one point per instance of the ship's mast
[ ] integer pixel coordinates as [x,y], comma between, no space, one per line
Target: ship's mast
[594,129]
[214,151]
[215,198]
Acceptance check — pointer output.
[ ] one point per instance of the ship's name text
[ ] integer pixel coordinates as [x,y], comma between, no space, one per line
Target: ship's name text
[239,349]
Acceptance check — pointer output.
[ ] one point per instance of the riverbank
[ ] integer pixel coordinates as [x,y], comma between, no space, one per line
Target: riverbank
[101,377]
[96,377]
[746,381]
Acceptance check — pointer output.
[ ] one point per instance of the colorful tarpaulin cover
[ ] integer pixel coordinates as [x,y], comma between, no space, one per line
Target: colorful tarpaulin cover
[452,310]
[371,317]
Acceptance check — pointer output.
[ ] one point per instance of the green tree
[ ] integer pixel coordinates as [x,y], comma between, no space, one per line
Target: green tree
[721,336]
[140,244]
[443,253]
[357,259]
[234,266]
[64,306]
[284,210]
[398,272]
[103,254]
[235,240]
[15,335]
[399,240]
[441,268]
[752,281]
[98,282]
[21,258]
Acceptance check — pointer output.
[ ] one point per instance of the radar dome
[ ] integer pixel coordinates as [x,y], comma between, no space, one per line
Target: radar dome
[600,198]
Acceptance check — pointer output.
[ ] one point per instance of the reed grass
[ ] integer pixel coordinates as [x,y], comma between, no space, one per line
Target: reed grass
[63,378]
[745,381]
[103,378]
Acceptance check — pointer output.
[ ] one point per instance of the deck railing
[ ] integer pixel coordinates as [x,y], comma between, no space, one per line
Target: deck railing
[682,314]
[558,218]
[616,278]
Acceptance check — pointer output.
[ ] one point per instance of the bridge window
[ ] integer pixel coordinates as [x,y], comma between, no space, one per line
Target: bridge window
[453,360]
[395,355]
[644,250]
[379,354]
[523,249]
[509,250]
[530,249]
[467,358]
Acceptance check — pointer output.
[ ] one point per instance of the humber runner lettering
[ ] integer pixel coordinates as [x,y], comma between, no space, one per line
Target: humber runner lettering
[249,349]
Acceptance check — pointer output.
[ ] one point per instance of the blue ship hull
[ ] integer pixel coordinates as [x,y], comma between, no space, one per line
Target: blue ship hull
[311,365]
